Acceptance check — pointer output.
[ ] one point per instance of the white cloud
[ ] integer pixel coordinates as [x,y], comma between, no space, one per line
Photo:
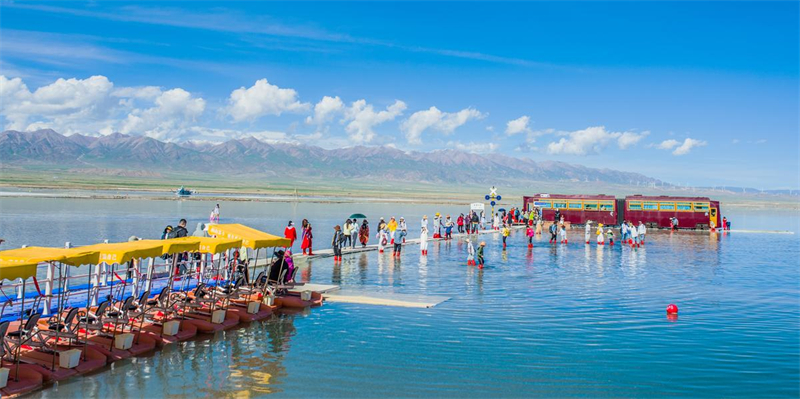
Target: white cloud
[519,125]
[173,110]
[213,135]
[325,110]
[361,118]
[263,99]
[433,118]
[592,140]
[628,139]
[687,146]
[61,104]
[668,144]
[473,147]
[143,92]
[735,141]
[94,105]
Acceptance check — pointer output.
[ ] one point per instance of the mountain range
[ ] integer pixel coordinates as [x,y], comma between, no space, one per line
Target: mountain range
[46,148]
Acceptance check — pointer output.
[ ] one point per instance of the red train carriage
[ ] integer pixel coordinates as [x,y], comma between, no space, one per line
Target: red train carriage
[576,208]
[692,212]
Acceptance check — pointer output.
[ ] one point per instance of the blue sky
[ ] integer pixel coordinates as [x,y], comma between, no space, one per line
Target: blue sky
[691,93]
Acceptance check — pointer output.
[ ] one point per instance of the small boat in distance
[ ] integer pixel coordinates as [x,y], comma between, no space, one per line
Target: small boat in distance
[184,192]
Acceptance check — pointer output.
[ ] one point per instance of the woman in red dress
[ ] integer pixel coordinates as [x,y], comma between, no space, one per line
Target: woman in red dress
[307,240]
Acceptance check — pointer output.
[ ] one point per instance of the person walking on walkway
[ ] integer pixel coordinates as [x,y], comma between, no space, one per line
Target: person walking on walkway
[308,239]
[363,233]
[290,233]
[347,232]
[336,243]
[423,240]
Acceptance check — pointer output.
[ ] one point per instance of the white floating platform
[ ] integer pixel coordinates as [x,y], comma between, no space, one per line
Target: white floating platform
[385,299]
[759,231]
[321,288]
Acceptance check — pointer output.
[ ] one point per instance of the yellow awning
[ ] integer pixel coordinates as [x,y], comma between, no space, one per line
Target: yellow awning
[183,244]
[73,256]
[22,262]
[14,269]
[251,238]
[122,252]
[210,245]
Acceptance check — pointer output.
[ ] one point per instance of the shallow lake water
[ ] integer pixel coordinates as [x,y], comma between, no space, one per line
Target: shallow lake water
[553,321]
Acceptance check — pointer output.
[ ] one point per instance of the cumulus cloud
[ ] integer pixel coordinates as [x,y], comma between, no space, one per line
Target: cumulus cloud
[94,105]
[687,145]
[60,102]
[681,148]
[592,140]
[325,110]
[473,147]
[629,139]
[173,109]
[519,125]
[433,118]
[263,99]
[361,118]
[668,144]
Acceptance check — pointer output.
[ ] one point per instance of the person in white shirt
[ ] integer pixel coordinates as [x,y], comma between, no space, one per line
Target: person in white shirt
[634,235]
[403,227]
[642,232]
[470,253]
[424,222]
[423,238]
[588,231]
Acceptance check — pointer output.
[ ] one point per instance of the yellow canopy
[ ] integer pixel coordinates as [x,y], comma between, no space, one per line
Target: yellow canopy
[251,238]
[210,245]
[13,269]
[22,262]
[183,244]
[122,252]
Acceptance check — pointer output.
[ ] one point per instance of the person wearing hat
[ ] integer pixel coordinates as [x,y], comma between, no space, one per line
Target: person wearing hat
[642,232]
[600,238]
[392,227]
[480,254]
[587,231]
[336,243]
[610,236]
[403,229]
[363,233]
[423,239]
[437,225]
[424,222]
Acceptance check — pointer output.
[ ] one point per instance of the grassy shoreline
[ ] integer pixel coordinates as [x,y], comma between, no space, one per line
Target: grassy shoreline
[396,194]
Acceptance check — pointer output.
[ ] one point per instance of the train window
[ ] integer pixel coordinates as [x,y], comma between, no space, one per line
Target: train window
[684,206]
[650,206]
[559,205]
[590,206]
[606,206]
[544,204]
[701,206]
[634,206]
[666,206]
[575,205]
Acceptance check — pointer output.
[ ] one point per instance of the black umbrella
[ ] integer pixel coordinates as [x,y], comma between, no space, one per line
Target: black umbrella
[501,210]
[357,216]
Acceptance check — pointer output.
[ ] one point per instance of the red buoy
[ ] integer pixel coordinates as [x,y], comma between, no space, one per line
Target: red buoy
[672,309]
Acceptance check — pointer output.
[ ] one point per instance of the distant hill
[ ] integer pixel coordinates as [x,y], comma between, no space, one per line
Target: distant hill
[44,149]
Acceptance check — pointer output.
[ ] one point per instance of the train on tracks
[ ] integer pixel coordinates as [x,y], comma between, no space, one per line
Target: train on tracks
[654,211]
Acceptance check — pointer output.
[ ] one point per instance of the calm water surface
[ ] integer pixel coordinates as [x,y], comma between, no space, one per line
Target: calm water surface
[555,321]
